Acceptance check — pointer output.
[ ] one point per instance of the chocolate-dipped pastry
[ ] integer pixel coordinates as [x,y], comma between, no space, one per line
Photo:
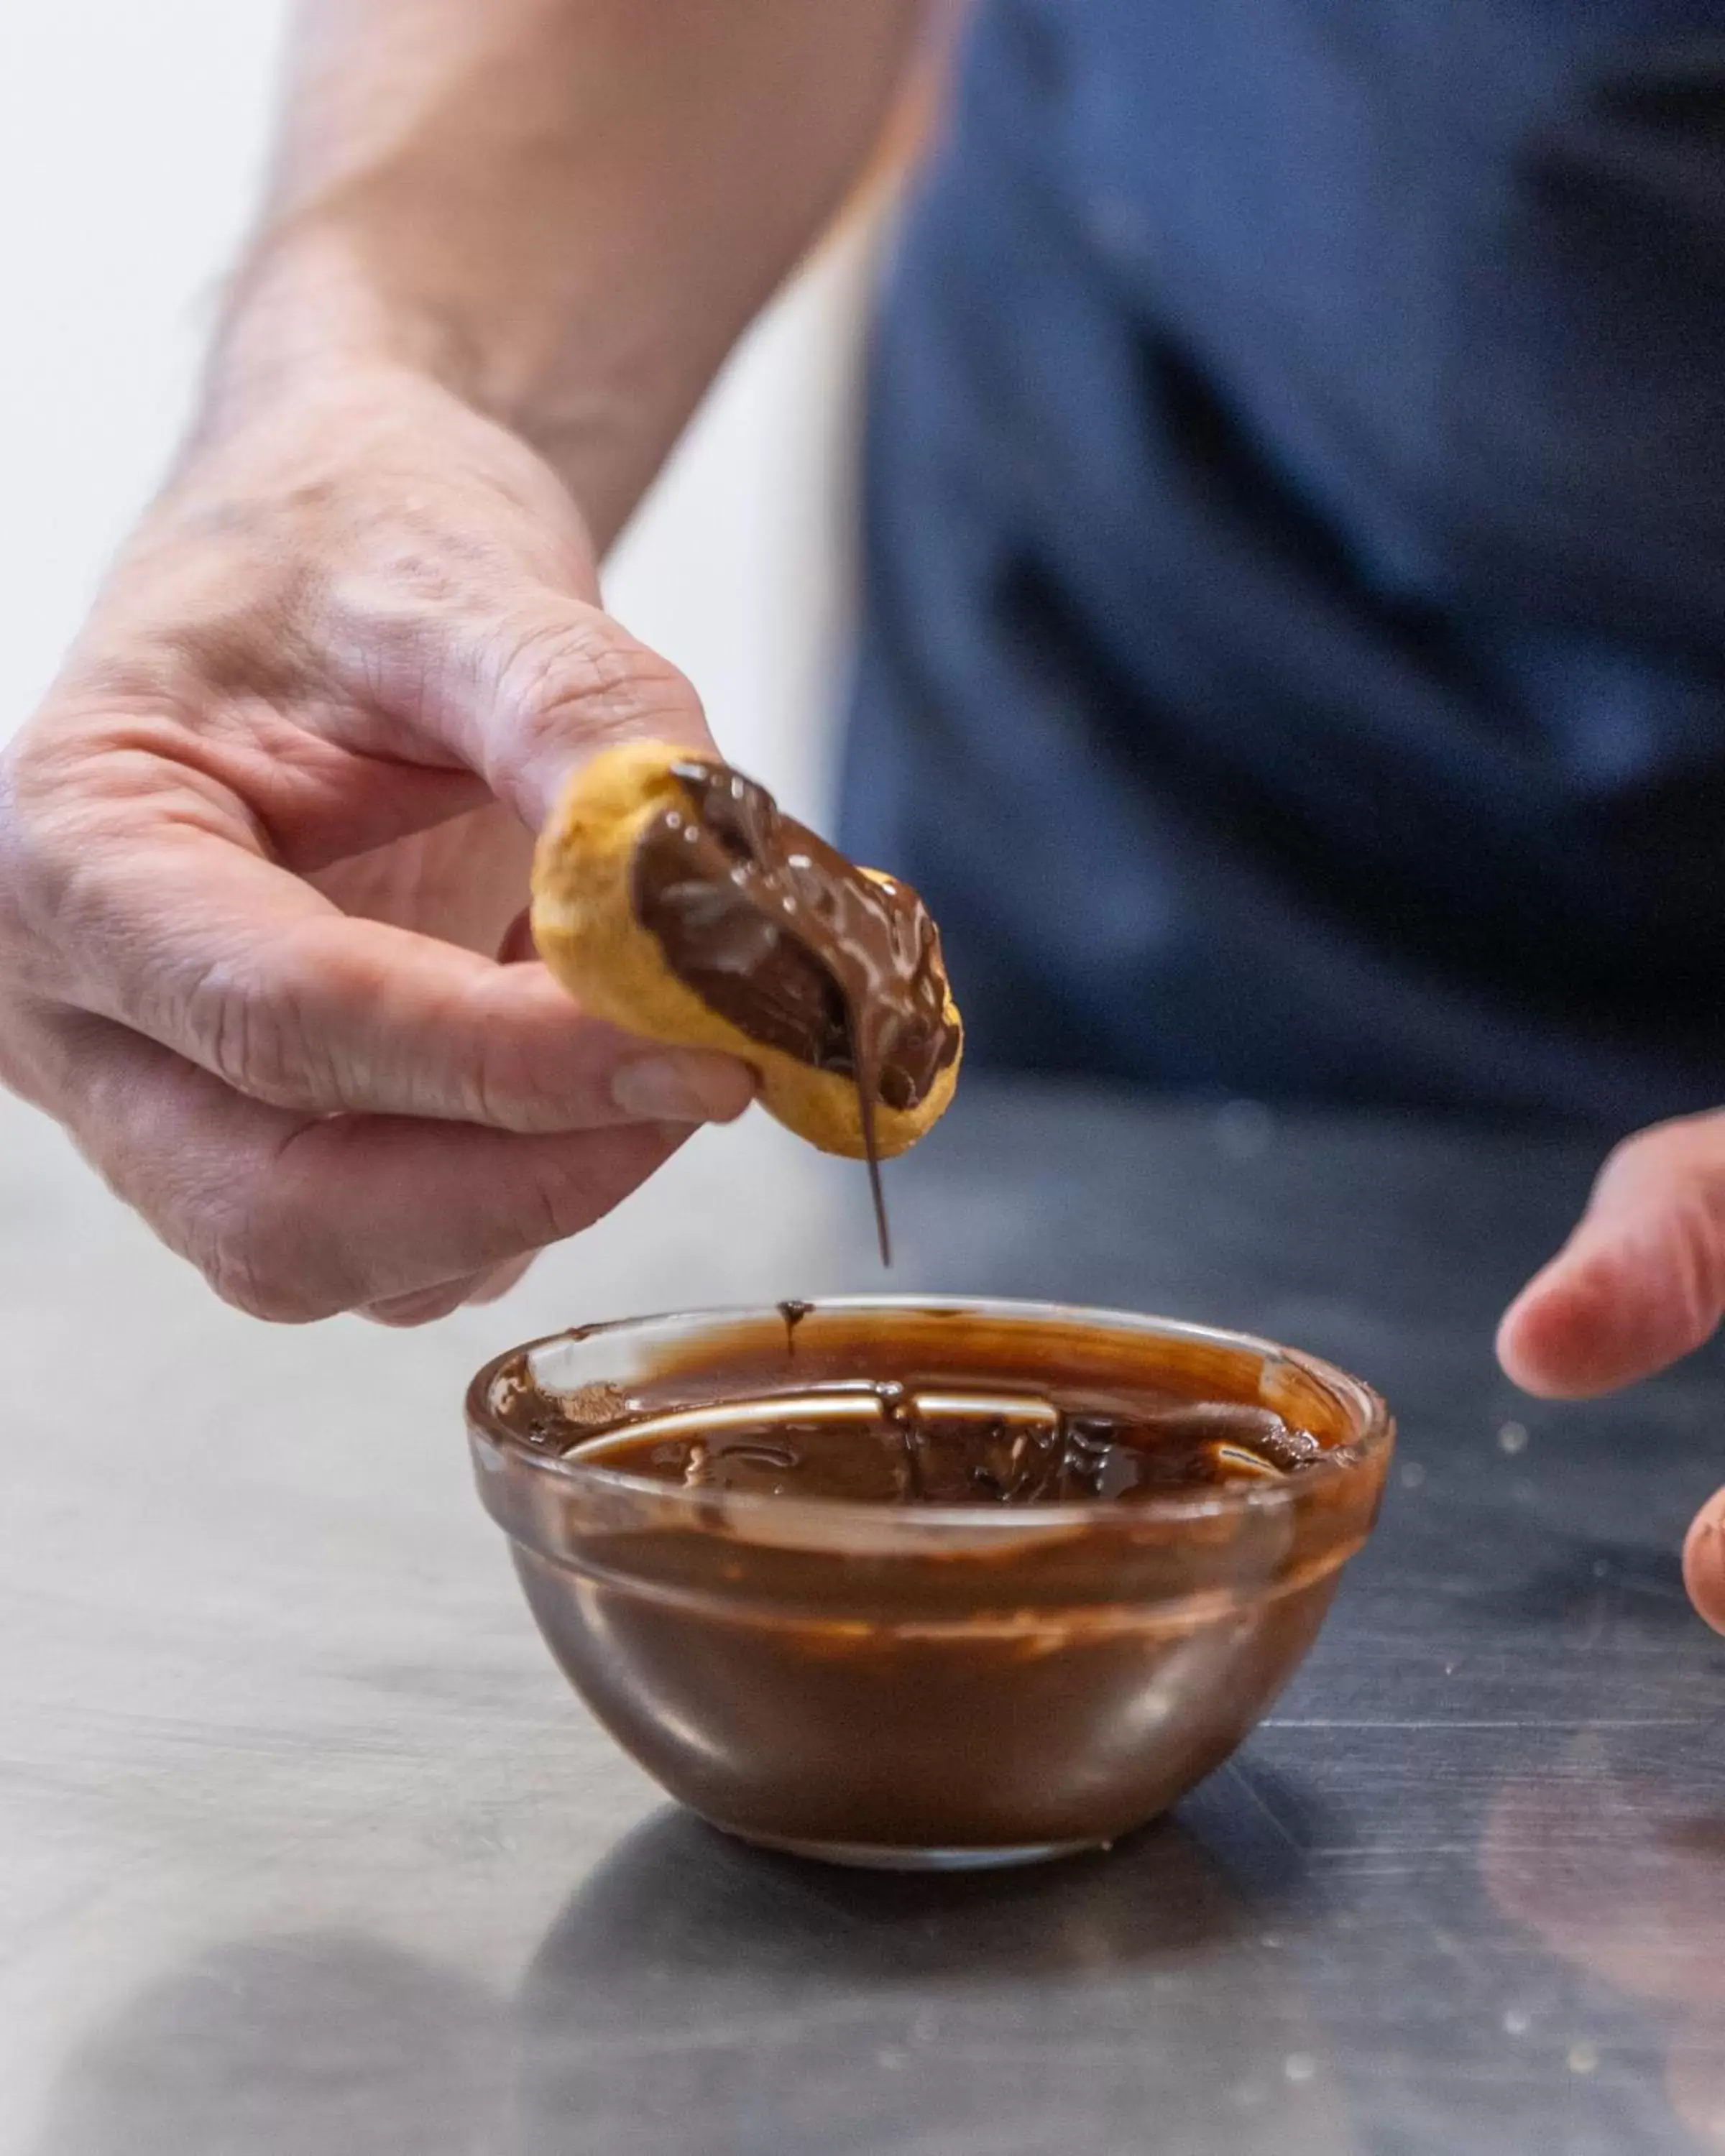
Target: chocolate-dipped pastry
[672,897]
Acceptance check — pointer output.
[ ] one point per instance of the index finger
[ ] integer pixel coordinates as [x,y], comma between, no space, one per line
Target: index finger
[295,1218]
[1641,1280]
[248,973]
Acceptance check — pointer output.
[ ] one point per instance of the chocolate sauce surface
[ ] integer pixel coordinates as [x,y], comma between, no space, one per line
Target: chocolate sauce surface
[961,1443]
[794,944]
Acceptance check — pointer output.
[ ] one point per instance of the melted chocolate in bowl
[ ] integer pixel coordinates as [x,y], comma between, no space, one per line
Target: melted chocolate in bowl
[920,1583]
[962,1445]
[794,945]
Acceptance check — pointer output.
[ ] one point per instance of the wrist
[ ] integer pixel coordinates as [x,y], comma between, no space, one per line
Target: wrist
[330,315]
[306,327]
[361,476]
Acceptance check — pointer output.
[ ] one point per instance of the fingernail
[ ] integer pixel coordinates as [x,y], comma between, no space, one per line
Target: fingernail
[682,1089]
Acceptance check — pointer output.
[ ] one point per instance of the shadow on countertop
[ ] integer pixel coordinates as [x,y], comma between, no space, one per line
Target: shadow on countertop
[697,1998]
[700,1996]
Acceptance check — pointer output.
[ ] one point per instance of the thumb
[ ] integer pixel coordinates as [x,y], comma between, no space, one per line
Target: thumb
[527,696]
[1642,1281]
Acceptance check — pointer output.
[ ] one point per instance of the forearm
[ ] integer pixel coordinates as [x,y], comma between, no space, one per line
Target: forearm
[565,210]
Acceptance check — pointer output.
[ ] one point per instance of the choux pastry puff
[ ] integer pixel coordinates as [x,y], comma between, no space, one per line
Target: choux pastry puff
[672,898]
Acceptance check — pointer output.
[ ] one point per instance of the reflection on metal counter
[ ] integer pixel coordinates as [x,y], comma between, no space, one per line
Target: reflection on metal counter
[306,1848]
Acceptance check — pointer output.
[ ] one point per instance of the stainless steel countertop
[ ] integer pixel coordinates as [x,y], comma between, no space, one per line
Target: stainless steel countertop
[303,1847]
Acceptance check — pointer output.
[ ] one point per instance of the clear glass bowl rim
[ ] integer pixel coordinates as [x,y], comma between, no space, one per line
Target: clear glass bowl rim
[1374,1435]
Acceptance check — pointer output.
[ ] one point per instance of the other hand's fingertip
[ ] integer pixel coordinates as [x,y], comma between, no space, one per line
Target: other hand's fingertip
[1547,1340]
[1704,1562]
[1607,1311]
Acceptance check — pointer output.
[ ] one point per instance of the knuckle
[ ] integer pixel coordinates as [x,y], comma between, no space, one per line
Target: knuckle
[1685,1156]
[89,797]
[515,1085]
[1665,1187]
[15,867]
[1698,1250]
[244,1241]
[244,1274]
[553,1206]
[579,1182]
[46,828]
[588,675]
[1640,1149]
[498,1096]
[251,1032]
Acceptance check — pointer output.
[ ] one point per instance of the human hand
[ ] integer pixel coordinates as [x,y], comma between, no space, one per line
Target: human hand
[262,850]
[1640,1282]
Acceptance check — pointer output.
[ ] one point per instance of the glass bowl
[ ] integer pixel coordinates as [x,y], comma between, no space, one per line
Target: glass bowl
[919,1686]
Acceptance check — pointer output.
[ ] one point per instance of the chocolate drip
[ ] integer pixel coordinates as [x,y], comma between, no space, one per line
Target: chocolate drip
[777,932]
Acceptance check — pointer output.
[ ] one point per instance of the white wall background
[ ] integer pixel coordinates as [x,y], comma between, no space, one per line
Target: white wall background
[132,137]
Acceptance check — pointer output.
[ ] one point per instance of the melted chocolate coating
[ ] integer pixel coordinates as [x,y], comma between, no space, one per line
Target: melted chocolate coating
[782,935]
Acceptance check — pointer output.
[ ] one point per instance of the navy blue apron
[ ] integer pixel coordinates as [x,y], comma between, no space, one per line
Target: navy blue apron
[1293,651]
